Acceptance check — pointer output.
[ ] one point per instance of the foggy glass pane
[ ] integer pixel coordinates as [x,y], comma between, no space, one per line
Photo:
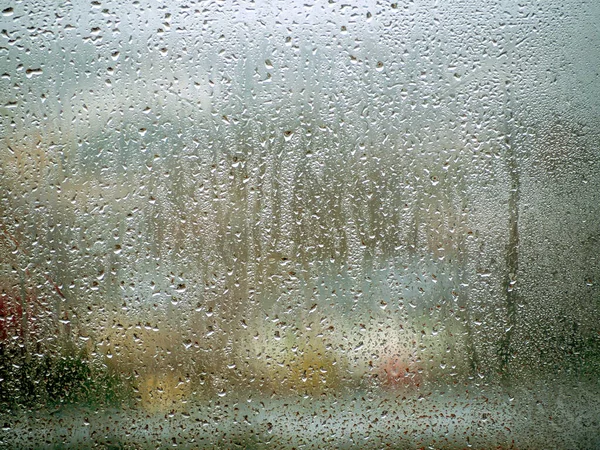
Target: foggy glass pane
[299,224]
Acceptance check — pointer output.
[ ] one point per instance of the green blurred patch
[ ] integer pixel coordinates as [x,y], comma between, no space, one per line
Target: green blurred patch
[53,379]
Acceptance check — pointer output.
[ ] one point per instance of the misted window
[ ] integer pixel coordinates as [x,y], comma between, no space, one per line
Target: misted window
[299,224]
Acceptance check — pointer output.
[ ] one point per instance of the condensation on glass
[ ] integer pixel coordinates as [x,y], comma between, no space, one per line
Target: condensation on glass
[299,224]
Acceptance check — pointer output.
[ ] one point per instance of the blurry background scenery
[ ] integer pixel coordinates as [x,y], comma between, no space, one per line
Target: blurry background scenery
[284,200]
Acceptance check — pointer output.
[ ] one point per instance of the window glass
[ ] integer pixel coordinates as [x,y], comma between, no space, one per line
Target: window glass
[300,224]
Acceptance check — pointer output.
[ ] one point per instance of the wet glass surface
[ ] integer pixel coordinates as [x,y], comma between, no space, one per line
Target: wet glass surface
[299,225]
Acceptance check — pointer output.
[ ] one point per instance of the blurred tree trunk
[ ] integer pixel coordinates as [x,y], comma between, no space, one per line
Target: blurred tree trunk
[512,247]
